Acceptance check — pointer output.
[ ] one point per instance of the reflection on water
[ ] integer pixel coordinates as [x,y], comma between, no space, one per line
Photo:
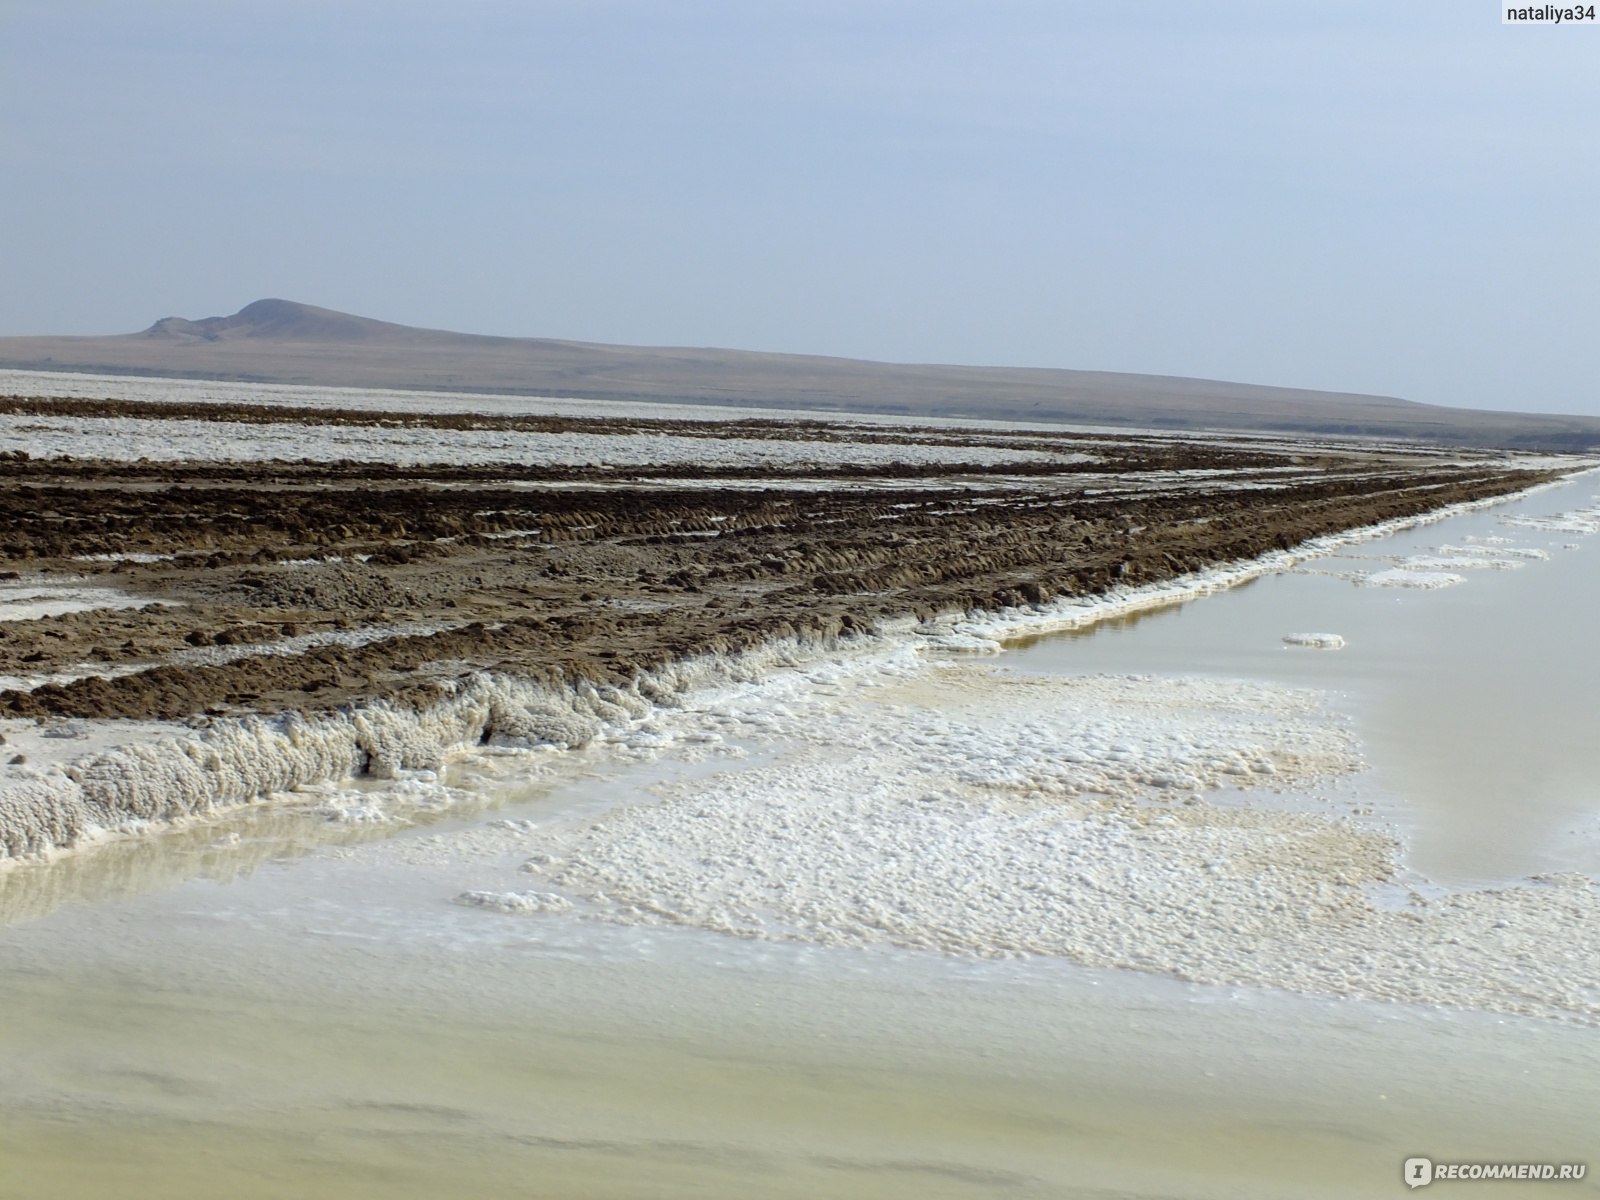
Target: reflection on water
[1120,622]
[1473,704]
[220,849]
[232,844]
[229,845]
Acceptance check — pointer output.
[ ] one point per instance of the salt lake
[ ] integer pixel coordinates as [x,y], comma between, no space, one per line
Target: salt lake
[1160,907]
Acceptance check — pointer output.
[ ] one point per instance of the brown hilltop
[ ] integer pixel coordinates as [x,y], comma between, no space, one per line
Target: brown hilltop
[283,319]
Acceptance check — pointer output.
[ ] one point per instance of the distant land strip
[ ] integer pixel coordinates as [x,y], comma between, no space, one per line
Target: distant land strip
[285,342]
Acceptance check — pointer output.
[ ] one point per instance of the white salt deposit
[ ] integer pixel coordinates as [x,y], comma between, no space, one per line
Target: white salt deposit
[197,656]
[129,439]
[1402,577]
[1579,520]
[291,647]
[1495,549]
[1441,567]
[517,903]
[987,631]
[1461,562]
[1318,641]
[928,816]
[67,800]
[958,808]
[40,596]
[39,679]
[239,762]
[159,390]
[130,557]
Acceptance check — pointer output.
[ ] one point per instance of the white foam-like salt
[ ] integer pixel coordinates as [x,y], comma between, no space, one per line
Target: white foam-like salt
[1318,641]
[1579,520]
[1403,577]
[66,800]
[289,647]
[126,439]
[1461,562]
[516,903]
[1495,548]
[129,557]
[951,824]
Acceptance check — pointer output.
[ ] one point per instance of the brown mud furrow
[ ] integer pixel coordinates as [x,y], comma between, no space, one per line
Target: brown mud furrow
[607,580]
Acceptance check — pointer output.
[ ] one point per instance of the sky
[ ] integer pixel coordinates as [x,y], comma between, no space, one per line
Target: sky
[1400,198]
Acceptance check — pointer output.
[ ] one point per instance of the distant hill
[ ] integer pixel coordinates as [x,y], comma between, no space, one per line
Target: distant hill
[281,341]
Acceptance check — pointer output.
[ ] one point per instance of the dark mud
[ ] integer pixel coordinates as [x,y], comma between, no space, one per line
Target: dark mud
[613,577]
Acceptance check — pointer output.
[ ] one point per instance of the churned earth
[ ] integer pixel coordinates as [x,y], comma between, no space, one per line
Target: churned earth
[206,581]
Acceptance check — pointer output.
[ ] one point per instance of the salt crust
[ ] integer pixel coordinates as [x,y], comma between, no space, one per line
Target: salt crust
[522,903]
[129,557]
[1405,577]
[1462,562]
[1580,520]
[126,439]
[952,826]
[37,596]
[158,390]
[1438,568]
[1495,550]
[988,631]
[1063,834]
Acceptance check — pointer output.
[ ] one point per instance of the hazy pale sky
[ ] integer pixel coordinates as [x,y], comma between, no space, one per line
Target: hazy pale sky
[1399,197]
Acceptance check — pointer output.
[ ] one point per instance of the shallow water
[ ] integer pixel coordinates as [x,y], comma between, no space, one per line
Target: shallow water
[698,1070]
[303,1014]
[1475,703]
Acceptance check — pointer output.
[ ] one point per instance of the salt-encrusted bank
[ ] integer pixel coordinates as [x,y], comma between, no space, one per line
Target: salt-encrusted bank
[59,801]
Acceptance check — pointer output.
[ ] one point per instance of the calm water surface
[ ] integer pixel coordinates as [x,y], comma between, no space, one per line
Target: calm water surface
[1476,704]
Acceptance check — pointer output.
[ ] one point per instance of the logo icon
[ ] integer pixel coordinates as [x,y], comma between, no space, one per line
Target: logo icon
[1418,1172]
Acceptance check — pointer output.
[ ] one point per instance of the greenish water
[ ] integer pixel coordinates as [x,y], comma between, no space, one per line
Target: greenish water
[792,1075]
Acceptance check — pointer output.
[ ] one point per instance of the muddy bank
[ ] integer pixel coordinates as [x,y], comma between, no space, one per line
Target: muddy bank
[205,590]
[599,584]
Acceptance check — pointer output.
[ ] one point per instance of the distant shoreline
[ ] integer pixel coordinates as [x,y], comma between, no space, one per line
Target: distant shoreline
[284,342]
